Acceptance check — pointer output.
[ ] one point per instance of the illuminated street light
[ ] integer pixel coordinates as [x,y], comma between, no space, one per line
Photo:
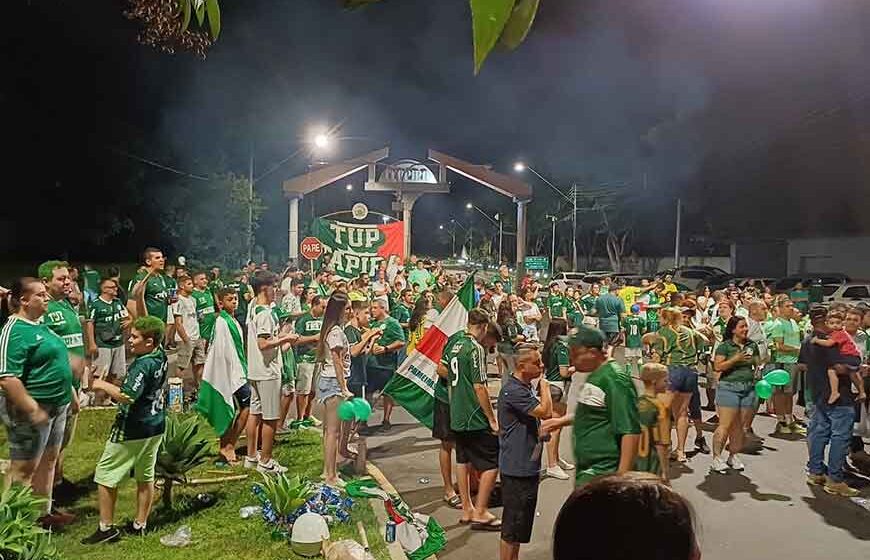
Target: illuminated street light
[385,219]
[349,186]
[519,167]
[321,140]
[469,205]
[441,226]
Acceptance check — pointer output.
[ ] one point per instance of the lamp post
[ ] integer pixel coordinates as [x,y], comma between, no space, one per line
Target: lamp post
[519,167]
[552,245]
[497,221]
[453,233]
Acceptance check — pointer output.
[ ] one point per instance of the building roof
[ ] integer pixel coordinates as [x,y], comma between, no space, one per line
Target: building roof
[483,174]
[322,176]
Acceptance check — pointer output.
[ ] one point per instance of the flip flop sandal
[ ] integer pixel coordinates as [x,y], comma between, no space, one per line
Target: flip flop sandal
[465,521]
[454,501]
[491,525]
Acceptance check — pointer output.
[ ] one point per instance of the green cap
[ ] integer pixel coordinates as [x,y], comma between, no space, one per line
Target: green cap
[282,314]
[587,337]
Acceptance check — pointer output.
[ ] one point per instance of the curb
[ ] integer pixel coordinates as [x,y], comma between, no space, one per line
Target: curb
[395,549]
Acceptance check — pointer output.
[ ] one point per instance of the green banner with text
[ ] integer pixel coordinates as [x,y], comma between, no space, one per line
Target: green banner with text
[356,249]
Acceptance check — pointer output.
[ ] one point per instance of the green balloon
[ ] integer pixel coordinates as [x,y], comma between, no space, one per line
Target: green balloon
[778,377]
[763,389]
[362,409]
[346,411]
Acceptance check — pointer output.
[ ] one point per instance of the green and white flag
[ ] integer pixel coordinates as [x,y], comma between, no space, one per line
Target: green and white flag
[225,371]
[356,249]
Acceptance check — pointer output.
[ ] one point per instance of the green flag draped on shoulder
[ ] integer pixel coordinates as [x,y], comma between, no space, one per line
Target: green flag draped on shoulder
[225,371]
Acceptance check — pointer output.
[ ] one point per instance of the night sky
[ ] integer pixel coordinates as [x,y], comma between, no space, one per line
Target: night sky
[755,112]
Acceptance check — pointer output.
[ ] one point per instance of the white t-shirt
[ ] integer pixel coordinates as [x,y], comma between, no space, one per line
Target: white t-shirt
[286,285]
[263,365]
[336,340]
[185,308]
[430,318]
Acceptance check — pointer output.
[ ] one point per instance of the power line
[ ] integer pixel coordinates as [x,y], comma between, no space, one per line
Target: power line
[156,164]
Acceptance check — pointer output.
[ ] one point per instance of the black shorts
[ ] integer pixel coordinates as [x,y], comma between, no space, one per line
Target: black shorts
[520,500]
[377,378]
[478,448]
[242,396]
[441,422]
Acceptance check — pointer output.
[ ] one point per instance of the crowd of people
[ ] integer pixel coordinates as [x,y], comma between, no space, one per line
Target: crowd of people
[621,364]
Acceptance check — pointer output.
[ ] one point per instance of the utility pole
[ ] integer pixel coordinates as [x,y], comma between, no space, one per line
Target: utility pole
[251,203]
[500,229]
[677,236]
[552,245]
[573,229]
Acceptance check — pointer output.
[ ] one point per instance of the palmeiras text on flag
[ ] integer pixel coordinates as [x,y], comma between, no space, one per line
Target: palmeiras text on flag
[356,249]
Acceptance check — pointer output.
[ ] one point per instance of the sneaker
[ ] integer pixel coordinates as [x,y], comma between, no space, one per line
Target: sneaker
[839,489]
[816,479]
[782,428]
[131,529]
[797,429]
[565,465]
[735,463]
[701,445]
[314,421]
[272,467]
[556,472]
[719,466]
[251,463]
[111,534]
[337,483]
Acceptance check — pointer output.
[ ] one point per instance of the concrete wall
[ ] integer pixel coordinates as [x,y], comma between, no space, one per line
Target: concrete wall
[849,255]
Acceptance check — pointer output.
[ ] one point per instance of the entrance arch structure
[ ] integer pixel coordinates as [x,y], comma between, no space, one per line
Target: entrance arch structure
[408,180]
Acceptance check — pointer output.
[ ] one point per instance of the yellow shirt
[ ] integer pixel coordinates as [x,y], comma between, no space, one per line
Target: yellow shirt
[628,295]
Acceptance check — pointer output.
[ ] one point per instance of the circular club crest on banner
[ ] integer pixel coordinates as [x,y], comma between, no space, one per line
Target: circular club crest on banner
[359,211]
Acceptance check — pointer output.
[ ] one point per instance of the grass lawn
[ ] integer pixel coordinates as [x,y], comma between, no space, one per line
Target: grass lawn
[218,531]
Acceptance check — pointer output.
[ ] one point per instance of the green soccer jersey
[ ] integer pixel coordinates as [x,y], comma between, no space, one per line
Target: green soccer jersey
[789,332]
[655,430]
[156,294]
[205,313]
[556,305]
[39,358]
[744,372]
[558,357]
[107,317]
[575,312]
[635,327]
[506,284]
[587,302]
[308,325]
[214,286]
[392,332]
[652,313]
[466,365]
[402,314]
[144,417]
[606,410]
[679,348]
[241,289]
[62,318]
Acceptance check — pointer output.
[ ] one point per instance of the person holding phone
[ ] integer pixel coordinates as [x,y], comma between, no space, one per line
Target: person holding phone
[735,362]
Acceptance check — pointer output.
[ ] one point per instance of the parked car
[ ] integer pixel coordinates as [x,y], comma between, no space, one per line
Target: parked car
[850,293]
[594,277]
[693,276]
[565,279]
[828,279]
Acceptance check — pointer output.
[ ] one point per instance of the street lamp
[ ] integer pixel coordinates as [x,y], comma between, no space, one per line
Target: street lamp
[321,140]
[552,244]
[497,221]
[519,167]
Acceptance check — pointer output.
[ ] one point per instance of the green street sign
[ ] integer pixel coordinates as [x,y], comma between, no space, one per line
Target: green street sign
[537,263]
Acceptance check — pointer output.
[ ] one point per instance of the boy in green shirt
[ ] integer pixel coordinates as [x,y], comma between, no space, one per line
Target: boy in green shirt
[308,328]
[635,328]
[137,432]
[384,358]
[556,302]
[655,422]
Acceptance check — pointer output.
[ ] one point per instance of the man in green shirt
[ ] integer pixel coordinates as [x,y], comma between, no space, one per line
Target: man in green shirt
[472,419]
[384,358]
[785,343]
[556,302]
[63,319]
[505,278]
[308,328]
[134,440]
[215,283]
[245,294]
[587,302]
[420,277]
[107,320]
[403,309]
[149,290]
[606,426]
[205,306]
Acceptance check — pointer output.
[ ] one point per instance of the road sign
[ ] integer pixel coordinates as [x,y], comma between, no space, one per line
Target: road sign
[537,263]
[311,248]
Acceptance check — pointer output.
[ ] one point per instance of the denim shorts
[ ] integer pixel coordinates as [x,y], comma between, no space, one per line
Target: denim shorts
[327,387]
[736,394]
[682,379]
[28,441]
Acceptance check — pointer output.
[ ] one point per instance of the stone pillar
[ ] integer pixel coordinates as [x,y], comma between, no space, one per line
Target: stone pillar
[522,225]
[407,201]
[293,229]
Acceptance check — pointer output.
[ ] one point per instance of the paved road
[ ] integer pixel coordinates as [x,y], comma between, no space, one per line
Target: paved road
[767,512]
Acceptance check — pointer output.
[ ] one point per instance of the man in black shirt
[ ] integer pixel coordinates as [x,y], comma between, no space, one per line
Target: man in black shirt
[830,424]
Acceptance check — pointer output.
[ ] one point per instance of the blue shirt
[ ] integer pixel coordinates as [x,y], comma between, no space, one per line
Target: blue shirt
[609,308]
[519,430]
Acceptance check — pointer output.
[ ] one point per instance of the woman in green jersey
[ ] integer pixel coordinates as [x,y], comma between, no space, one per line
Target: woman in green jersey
[556,361]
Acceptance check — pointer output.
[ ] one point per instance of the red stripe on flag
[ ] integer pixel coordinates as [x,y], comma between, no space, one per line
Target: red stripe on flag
[394,240]
[432,344]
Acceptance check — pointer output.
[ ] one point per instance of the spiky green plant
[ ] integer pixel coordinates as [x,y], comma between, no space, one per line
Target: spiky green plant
[286,493]
[183,448]
[20,537]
